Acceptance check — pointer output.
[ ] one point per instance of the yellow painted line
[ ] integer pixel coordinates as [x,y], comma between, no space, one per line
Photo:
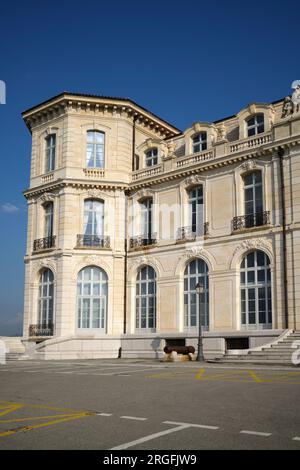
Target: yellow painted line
[199,374]
[226,374]
[255,377]
[43,425]
[17,420]
[11,409]
[46,407]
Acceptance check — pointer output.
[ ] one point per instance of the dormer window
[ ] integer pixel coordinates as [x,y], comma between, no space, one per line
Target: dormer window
[95,149]
[199,142]
[256,125]
[50,152]
[151,157]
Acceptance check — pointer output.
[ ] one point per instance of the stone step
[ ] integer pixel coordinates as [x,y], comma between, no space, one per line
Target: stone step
[254,362]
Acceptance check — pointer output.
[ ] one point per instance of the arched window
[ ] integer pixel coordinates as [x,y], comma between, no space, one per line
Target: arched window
[146,298]
[256,299]
[199,142]
[196,271]
[151,157]
[48,222]
[95,149]
[196,216]
[92,298]
[46,299]
[255,125]
[93,218]
[50,152]
[253,195]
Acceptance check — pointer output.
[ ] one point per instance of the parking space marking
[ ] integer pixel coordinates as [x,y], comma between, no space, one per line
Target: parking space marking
[257,433]
[136,418]
[150,437]
[64,416]
[296,438]
[192,425]
[104,414]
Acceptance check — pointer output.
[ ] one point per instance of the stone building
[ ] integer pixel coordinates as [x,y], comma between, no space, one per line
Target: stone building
[126,214]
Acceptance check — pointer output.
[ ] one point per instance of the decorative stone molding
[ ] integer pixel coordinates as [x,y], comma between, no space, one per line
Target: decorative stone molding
[46,263]
[192,181]
[249,165]
[143,194]
[248,245]
[92,260]
[141,261]
[48,197]
[193,253]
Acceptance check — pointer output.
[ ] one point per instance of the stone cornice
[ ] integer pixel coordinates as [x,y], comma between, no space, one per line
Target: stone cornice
[67,103]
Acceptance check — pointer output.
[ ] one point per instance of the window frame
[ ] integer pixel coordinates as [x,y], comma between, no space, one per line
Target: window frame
[50,152]
[255,288]
[95,145]
[190,279]
[201,143]
[88,299]
[46,281]
[256,125]
[151,157]
[143,300]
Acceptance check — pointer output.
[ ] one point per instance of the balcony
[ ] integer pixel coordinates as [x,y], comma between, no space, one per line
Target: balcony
[243,222]
[195,158]
[44,243]
[41,330]
[142,241]
[251,142]
[147,172]
[93,241]
[189,233]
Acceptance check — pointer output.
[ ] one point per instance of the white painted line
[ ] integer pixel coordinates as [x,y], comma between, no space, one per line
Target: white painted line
[116,372]
[104,414]
[148,438]
[257,433]
[136,418]
[296,438]
[124,375]
[203,426]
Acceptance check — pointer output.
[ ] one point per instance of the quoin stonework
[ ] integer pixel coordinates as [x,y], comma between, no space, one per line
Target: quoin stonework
[126,213]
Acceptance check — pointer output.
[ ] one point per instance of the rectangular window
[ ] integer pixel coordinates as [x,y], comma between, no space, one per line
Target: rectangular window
[50,152]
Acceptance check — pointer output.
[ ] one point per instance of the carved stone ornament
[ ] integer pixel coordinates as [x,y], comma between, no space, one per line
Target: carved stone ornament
[255,244]
[291,103]
[47,197]
[92,259]
[140,261]
[193,180]
[194,251]
[221,133]
[249,165]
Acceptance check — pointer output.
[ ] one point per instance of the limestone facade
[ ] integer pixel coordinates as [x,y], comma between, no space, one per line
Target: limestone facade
[115,155]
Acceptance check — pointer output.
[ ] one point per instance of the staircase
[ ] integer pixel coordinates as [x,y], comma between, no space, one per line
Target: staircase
[14,347]
[278,352]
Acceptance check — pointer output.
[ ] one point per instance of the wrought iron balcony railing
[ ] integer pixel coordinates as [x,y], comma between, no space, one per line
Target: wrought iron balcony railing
[190,232]
[41,329]
[251,220]
[44,243]
[142,240]
[94,241]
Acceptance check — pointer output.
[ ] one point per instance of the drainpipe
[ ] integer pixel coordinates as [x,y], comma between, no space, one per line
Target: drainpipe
[284,252]
[125,261]
[133,141]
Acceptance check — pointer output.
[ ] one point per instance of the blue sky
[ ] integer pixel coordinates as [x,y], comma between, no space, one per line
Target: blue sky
[184,60]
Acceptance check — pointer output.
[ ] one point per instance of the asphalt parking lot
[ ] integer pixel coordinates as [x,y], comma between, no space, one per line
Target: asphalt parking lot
[119,404]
